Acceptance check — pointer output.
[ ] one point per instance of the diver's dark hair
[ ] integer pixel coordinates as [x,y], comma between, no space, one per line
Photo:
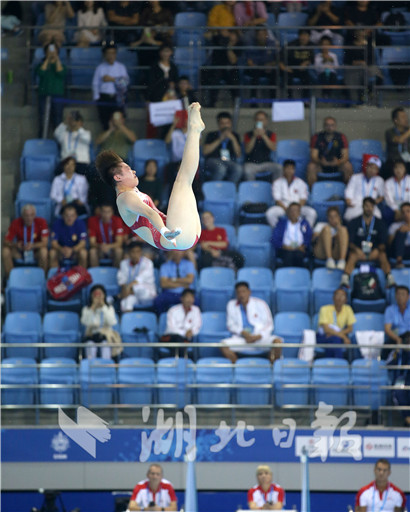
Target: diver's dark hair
[106,164]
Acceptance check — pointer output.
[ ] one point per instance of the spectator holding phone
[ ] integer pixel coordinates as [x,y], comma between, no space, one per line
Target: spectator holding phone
[153,493]
[117,137]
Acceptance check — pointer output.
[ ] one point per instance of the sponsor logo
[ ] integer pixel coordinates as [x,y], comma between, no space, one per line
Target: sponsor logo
[311,445]
[378,447]
[60,445]
[403,447]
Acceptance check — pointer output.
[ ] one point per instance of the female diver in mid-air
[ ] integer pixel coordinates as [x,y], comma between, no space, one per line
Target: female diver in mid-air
[181,227]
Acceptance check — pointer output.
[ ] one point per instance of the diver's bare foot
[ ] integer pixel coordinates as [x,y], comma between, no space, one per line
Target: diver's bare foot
[194,118]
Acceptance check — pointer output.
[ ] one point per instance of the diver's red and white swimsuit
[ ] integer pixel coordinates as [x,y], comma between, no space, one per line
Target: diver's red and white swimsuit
[144,222]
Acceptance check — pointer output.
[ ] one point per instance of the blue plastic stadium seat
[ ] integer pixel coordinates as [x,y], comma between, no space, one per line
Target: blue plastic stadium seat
[322,191]
[83,62]
[107,276]
[216,288]
[369,322]
[290,327]
[61,327]
[58,370]
[179,373]
[189,61]
[220,200]
[39,159]
[297,150]
[253,370]
[254,192]
[214,370]
[22,371]
[97,377]
[25,290]
[372,374]
[213,330]
[147,149]
[139,372]
[292,288]
[141,320]
[22,327]
[324,283]
[231,234]
[290,19]
[189,28]
[360,147]
[295,372]
[394,56]
[260,281]
[254,244]
[130,60]
[332,377]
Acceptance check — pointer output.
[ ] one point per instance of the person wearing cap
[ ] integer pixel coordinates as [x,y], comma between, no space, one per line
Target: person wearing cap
[74,140]
[366,184]
[368,238]
[266,495]
[329,152]
[105,84]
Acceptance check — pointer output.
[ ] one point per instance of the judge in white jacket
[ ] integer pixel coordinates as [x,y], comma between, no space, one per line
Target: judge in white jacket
[249,319]
[397,189]
[369,184]
[136,278]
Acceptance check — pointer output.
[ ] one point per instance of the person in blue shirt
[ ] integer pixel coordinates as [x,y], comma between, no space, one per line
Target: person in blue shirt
[177,274]
[69,235]
[397,330]
[292,237]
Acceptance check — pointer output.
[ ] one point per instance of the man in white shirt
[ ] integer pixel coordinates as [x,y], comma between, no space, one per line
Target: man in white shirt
[369,184]
[397,189]
[250,322]
[286,190]
[109,84]
[380,494]
[136,278]
[74,140]
[184,320]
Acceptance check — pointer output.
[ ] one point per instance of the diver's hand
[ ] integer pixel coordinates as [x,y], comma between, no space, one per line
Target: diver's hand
[171,235]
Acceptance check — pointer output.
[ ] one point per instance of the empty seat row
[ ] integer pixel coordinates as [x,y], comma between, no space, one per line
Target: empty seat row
[251,381]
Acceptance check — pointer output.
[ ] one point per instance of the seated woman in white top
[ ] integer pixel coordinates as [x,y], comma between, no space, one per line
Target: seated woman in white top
[397,189]
[94,317]
[93,18]
[70,187]
[369,184]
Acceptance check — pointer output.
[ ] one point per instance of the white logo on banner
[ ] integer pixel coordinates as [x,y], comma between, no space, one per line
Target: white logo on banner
[88,429]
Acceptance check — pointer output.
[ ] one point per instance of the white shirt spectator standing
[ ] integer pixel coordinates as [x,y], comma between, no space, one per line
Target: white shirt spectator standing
[286,190]
[136,278]
[90,16]
[364,185]
[69,187]
[104,84]
[397,189]
[74,139]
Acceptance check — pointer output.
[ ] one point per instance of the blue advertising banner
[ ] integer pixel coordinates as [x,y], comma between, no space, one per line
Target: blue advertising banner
[169,442]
